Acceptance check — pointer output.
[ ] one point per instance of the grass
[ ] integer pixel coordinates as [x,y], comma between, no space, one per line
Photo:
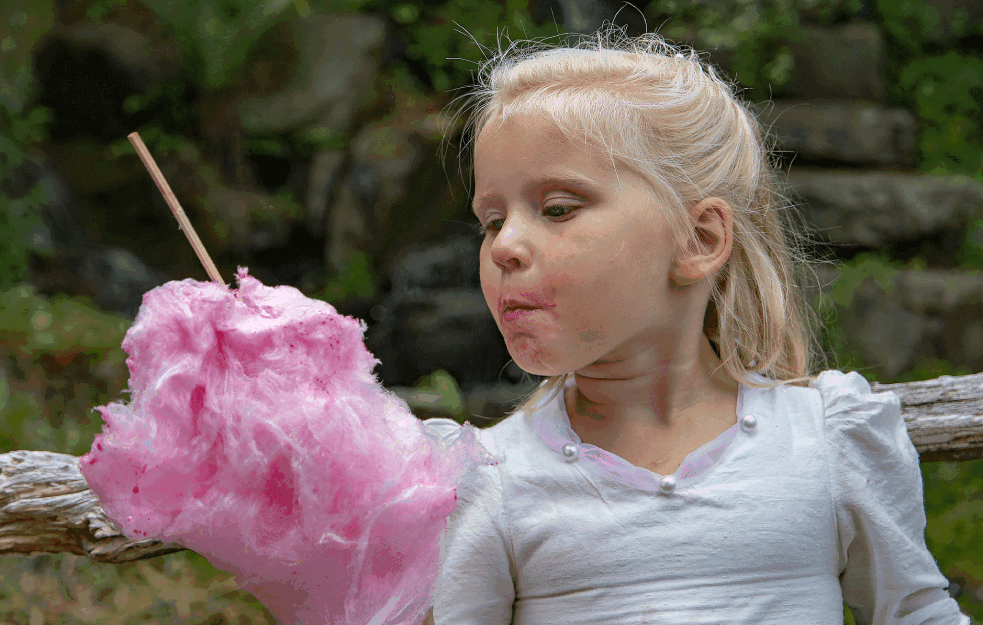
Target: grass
[67,589]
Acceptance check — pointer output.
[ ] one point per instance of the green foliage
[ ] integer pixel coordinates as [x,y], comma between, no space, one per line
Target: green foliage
[911,24]
[448,54]
[169,104]
[851,274]
[313,139]
[971,252]
[69,358]
[61,324]
[22,24]
[754,34]
[954,535]
[18,218]
[177,588]
[848,615]
[858,269]
[21,215]
[842,352]
[929,368]
[358,279]
[941,81]
[947,93]
[442,385]
[101,9]
[216,36]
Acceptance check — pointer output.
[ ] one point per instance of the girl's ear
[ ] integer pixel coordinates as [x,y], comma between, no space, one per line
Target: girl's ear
[712,242]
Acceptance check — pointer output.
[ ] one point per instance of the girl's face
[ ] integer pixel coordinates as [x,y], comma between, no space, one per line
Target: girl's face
[576,257]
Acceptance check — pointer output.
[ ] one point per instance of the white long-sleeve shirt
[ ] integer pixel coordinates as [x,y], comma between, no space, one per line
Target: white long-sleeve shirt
[815,500]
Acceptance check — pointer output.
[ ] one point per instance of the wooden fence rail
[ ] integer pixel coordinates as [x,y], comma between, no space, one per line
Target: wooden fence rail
[46,505]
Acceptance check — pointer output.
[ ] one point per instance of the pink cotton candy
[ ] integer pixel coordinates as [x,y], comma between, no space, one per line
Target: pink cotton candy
[257,436]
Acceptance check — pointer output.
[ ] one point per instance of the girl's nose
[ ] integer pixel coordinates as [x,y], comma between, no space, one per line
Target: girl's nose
[510,248]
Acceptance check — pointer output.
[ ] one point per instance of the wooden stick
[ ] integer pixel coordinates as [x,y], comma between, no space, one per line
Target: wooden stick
[165,190]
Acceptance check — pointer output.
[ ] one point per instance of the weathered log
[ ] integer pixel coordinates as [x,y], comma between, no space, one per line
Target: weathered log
[46,505]
[944,415]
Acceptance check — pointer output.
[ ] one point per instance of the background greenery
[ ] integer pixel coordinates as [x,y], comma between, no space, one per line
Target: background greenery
[63,356]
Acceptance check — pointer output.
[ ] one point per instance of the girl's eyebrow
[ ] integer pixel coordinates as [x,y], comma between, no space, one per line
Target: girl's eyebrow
[565,179]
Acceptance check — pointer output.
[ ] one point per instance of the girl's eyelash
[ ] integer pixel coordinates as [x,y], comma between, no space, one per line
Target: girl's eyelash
[485,228]
[565,213]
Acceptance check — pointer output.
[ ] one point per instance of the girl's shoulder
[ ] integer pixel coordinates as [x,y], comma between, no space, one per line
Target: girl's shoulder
[847,397]
[864,425]
[495,438]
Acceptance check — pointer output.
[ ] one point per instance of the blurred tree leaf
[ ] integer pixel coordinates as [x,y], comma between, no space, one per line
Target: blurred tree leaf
[947,92]
[216,36]
[22,24]
[443,385]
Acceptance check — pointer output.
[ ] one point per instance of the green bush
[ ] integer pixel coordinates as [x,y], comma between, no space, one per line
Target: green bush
[754,34]
[216,36]
[947,92]
[439,36]
[67,359]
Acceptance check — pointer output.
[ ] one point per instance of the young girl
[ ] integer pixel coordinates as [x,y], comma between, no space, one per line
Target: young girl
[679,465]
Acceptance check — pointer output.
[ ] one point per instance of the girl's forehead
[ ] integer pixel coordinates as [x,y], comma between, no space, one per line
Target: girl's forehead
[525,124]
[522,133]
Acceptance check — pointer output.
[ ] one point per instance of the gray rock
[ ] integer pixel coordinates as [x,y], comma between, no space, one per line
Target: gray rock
[341,56]
[61,233]
[838,62]
[449,329]
[844,131]
[939,292]
[878,209]
[920,314]
[244,221]
[888,336]
[325,171]
[144,61]
[348,230]
[119,279]
[435,317]
[385,156]
[450,264]
[955,299]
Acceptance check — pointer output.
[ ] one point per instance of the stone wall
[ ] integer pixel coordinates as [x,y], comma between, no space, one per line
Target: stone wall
[371,179]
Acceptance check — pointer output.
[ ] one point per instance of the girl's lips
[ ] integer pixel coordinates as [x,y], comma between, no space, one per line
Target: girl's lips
[515,313]
[512,307]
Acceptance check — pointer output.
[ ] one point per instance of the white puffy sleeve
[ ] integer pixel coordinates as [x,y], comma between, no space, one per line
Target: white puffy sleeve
[476,585]
[887,574]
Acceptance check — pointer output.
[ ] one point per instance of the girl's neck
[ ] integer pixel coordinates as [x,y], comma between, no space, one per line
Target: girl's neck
[667,400]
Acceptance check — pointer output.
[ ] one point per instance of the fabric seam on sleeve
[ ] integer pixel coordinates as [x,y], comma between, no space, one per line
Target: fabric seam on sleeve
[508,529]
[833,495]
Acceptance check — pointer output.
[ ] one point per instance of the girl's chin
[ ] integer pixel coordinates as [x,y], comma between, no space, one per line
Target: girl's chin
[535,364]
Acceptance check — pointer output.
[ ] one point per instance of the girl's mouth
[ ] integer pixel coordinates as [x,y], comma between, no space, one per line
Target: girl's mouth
[516,312]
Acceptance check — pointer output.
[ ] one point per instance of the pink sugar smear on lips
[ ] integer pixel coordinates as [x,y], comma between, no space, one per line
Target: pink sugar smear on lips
[514,307]
[257,436]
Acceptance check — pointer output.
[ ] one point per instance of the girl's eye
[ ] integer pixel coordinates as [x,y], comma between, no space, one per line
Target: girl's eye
[557,210]
[493,225]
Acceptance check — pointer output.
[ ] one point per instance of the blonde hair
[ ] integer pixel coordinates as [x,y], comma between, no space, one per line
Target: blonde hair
[662,112]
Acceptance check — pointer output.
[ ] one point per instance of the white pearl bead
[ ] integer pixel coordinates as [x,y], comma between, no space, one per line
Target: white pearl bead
[748,422]
[668,484]
[571,451]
